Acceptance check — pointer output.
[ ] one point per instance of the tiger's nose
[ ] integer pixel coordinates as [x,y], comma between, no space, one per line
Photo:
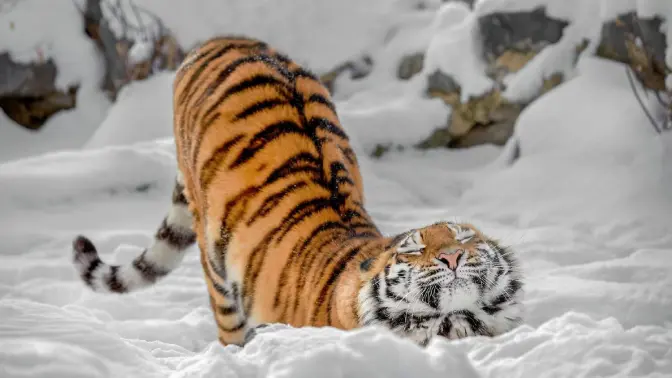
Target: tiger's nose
[451,259]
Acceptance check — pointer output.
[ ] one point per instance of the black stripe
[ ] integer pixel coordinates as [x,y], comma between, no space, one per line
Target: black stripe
[235,328]
[351,214]
[219,269]
[147,269]
[202,65]
[220,51]
[328,126]
[282,58]
[430,295]
[271,202]
[329,285]
[362,225]
[265,136]
[209,168]
[186,97]
[205,126]
[236,208]
[253,269]
[304,260]
[113,282]
[511,289]
[300,212]
[301,162]
[178,197]
[223,75]
[349,154]
[227,310]
[392,295]
[90,269]
[259,107]
[476,325]
[256,81]
[178,238]
[318,98]
[219,288]
[306,74]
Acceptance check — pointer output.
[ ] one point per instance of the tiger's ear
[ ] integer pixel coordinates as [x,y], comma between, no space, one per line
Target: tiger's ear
[410,244]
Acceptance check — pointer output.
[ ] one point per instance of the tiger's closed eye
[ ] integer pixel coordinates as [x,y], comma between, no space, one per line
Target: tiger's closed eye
[411,244]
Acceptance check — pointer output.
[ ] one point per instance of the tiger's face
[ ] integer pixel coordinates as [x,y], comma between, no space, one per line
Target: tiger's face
[446,279]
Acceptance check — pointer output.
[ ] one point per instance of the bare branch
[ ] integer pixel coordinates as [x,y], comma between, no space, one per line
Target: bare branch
[141,25]
[639,100]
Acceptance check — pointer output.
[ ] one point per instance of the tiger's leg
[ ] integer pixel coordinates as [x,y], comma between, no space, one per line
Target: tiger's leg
[225,293]
[172,238]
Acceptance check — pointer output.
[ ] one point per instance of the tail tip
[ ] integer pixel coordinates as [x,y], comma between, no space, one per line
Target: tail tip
[83,246]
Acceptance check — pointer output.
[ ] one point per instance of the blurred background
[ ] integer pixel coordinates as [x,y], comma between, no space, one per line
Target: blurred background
[417,74]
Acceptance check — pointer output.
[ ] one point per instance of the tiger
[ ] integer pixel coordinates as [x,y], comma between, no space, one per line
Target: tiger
[269,189]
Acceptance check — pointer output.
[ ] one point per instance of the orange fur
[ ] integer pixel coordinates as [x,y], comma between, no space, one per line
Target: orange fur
[278,282]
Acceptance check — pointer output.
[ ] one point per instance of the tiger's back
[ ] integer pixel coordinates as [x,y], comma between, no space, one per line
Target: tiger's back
[269,173]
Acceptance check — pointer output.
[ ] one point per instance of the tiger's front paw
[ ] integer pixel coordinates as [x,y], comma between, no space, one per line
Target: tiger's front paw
[460,328]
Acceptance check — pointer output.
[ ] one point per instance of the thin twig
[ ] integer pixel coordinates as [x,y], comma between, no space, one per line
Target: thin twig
[641,103]
[159,23]
[141,24]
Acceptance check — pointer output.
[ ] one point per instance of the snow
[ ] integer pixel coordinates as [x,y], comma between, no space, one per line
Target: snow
[143,111]
[454,51]
[586,207]
[390,118]
[141,51]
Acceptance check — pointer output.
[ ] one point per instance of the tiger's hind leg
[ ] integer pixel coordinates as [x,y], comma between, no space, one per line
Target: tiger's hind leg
[227,305]
[225,292]
[172,238]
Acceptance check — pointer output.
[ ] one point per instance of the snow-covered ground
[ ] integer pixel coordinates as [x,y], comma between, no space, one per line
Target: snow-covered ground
[587,208]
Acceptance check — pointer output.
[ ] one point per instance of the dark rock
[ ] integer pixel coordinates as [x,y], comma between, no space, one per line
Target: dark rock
[511,39]
[410,65]
[33,112]
[441,83]
[497,132]
[528,31]
[28,94]
[618,42]
[464,115]
[20,80]
[359,69]
[483,119]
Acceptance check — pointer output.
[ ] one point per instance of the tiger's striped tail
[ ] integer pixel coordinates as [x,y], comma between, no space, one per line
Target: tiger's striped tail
[172,238]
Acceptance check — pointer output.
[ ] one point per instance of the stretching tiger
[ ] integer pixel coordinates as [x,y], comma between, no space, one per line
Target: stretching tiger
[269,188]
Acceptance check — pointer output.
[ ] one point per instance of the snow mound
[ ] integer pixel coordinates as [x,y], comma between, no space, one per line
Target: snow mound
[143,112]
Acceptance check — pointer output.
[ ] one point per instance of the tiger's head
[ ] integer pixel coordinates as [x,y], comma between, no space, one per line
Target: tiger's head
[445,279]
